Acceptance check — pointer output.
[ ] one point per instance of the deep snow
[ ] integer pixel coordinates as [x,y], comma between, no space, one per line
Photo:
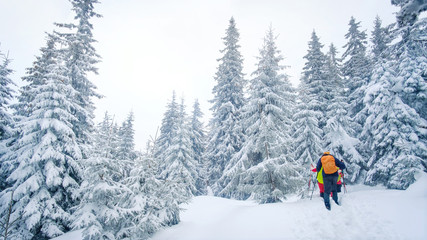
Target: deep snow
[365,213]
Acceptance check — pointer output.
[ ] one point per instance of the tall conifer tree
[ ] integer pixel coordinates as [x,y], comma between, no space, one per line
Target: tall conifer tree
[226,135]
[339,136]
[380,40]
[81,60]
[263,168]
[198,139]
[392,131]
[310,116]
[179,163]
[47,174]
[315,76]
[6,119]
[167,130]
[356,68]
[150,203]
[126,144]
[6,95]
[100,212]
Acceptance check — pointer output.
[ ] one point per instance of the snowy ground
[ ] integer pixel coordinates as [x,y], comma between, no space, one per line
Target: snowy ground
[366,213]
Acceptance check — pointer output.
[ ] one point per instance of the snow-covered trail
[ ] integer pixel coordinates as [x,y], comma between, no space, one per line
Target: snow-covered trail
[366,213]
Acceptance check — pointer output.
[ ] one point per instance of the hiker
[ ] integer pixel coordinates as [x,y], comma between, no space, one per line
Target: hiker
[330,176]
[320,180]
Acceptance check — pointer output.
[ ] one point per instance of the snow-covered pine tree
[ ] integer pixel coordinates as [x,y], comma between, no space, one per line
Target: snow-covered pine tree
[226,135]
[168,194]
[6,95]
[143,202]
[395,131]
[151,203]
[339,136]
[333,70]
[6,119]
[263,169]
[114,140]
[318,87]
[126,134]
[380,40]
[179,165]
[126,145]
[167,130]
[101,212]
[35,75]
[47,174]
[81,60]
[307,134]
[356,68]
[392,132]
[198,139]
[411,53]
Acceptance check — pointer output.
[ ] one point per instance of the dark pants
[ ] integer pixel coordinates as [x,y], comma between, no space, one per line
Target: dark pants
[330,184]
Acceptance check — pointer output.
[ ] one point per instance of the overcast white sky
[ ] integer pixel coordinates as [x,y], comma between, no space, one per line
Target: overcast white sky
[151,47]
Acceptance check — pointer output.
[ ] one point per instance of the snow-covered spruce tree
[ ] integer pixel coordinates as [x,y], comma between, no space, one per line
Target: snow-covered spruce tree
[338,133]
[318,86]
[311,107]
[151,202]
[6,95]
[126,145]
[35,76]
[356,68]
[226,135]
[179,164]
[6,119]
[411,55]
[46,176]
[393,132]
[380,39]
[167,130]
[198,139]
[81,60]
[333,71]
[395,129]
[126,134]
[307,136]
[263,169]
[101,212]
[168,194]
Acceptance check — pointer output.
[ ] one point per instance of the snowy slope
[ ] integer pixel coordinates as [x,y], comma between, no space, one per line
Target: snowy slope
[366,213]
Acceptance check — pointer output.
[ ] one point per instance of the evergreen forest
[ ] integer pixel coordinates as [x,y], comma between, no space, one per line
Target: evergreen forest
[61,171]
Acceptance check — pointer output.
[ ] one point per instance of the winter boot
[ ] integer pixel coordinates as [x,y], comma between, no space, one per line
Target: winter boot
[328,206]
[335,198]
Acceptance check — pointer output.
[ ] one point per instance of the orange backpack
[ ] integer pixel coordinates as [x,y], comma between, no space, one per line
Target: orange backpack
[328,163]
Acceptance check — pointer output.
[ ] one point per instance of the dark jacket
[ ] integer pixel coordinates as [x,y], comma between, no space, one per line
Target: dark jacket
[338,163]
